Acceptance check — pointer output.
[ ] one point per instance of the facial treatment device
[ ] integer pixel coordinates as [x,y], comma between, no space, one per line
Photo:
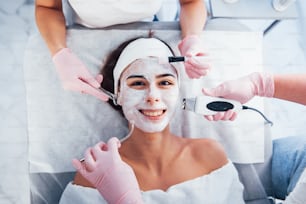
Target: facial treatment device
[207,105]
[110,95]
[172,59]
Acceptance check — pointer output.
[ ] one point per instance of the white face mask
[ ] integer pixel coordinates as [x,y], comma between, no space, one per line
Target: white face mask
[148,94]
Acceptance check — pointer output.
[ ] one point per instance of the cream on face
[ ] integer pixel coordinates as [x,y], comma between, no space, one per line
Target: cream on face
[148,94]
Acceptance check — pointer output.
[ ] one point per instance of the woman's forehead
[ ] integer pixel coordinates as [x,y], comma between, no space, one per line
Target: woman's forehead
[149,67]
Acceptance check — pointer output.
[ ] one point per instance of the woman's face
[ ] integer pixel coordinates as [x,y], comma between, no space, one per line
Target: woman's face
[148,94]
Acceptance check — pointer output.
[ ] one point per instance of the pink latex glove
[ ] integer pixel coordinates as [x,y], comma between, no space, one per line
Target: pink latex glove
[75,76]
[113,178]
[242,90]
[191,46]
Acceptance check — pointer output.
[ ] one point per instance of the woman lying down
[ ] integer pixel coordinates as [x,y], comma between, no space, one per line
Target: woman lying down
[151,165]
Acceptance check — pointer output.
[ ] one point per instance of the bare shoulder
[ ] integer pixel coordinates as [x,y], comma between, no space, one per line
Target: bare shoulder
[81,181]
[209,151]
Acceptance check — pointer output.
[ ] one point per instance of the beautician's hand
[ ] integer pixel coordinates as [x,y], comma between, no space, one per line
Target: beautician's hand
[113,178]
[75,76]
[242,90]
[191,46]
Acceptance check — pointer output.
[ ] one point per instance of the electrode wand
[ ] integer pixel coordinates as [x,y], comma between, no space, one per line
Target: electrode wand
[207,105]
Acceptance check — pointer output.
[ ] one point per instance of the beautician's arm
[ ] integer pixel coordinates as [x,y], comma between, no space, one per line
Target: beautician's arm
[193,16]
[72,72]
[290,87]
[50,21]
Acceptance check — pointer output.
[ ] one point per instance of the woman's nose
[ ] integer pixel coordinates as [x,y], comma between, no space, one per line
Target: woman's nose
[151,100]
[153,95]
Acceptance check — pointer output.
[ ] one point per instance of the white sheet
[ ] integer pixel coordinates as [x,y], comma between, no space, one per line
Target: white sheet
[61,124]
[221,186]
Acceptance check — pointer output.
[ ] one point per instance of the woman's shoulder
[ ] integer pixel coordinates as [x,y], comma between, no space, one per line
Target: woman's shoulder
[208,143]
[209,151]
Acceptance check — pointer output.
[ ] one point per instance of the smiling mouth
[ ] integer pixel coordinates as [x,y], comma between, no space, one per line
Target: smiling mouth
[152,113]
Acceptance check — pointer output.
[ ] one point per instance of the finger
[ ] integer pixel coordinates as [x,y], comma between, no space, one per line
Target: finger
[98,94]
[86,88]
[196,73]
[202,54]
[200,72]
[227,115]
[234,116]
[208,92]
[218,116]
[89,79]
[199,69]
[99,78]
[209,117]
[216,92]
[89,160]
[97,149]
[79,167]
[199,64]
[193,73]
[196,70]
[113,144]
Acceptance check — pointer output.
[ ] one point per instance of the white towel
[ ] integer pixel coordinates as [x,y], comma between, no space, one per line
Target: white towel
[221,186]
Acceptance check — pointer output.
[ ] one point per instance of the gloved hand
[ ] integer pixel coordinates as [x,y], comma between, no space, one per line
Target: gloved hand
[113,178]
[191,46]
[242,90]
[75,76]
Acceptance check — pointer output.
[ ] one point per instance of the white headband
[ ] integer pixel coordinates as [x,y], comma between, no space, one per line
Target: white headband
[138,49]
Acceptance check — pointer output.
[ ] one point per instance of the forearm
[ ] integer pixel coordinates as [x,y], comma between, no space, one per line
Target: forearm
[290,87]
[192,17]
[51,24]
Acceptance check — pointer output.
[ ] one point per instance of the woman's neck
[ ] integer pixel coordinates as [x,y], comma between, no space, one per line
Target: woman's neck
[150,149]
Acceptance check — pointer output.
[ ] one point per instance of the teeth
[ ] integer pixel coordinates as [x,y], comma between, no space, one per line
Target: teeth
[152,113]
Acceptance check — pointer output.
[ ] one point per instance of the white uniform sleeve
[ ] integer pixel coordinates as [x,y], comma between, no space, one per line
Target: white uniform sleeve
[298,195]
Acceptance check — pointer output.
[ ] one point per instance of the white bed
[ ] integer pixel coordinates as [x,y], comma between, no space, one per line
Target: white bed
[18,177]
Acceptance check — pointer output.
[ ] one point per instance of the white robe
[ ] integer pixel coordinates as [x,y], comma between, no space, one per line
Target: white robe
[221,186]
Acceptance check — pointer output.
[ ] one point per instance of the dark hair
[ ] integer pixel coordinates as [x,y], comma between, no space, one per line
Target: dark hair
[110,63]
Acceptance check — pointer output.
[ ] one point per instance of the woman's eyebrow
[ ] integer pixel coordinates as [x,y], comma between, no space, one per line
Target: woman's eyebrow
[136,76]
[158,76]
[165,75]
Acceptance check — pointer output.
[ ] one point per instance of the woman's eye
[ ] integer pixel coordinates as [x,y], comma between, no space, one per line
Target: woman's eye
[166,83]
[137,83]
